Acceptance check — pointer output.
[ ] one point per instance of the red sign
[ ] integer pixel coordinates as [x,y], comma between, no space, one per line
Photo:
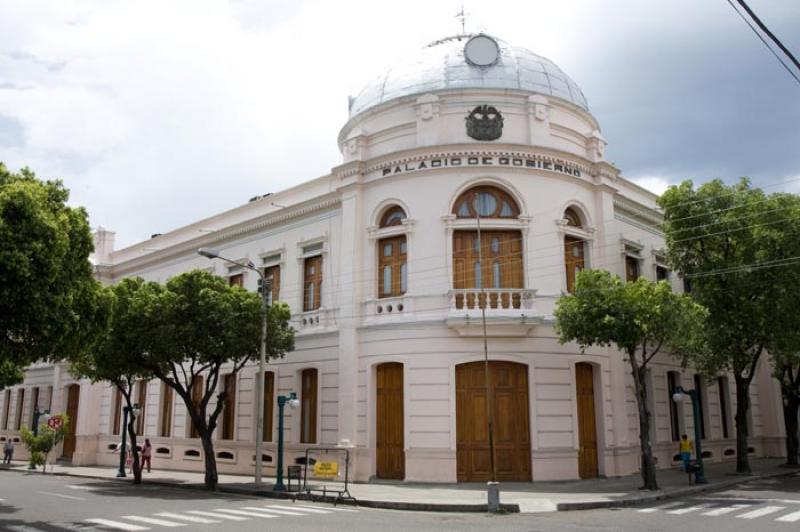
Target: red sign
[54,422]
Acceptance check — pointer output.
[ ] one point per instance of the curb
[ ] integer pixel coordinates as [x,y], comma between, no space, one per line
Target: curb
[665,495]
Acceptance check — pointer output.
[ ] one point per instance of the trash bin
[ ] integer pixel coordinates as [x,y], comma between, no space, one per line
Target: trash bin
[294,472]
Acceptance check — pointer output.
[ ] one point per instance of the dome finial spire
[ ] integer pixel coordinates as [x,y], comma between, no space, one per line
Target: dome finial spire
[462,16]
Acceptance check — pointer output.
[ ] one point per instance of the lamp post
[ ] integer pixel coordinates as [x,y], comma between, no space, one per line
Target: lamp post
[291,399]
[700,475]
[123,447]
[35,425]
[262,360]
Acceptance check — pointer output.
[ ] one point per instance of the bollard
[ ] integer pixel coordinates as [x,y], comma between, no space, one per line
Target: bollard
[493,493]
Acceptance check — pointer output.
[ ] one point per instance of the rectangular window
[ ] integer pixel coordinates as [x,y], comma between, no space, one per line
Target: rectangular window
[49,399]
[116,407]
[165,424]
[141,400]
[631,268]
[198,391]
[229,409]
[308,407]
[20,406]
[662,274]
[699,387]
[574,259]
[269,402]
[392,266]
[34,404]
[273,276]
[724,404]
[312,283]
[502,267]
[674,419]
[6,407]
[236,280]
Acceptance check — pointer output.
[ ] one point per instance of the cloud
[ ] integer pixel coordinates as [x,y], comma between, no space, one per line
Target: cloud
[655,184]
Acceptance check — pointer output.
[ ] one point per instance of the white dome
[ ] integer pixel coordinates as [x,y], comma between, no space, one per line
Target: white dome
[442,65]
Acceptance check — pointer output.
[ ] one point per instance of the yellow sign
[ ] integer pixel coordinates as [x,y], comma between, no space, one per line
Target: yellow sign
[326,469]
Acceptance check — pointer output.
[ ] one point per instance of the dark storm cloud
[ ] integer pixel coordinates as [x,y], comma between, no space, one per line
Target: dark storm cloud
[710,103]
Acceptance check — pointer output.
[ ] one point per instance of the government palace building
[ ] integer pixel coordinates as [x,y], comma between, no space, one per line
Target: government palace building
[385,271]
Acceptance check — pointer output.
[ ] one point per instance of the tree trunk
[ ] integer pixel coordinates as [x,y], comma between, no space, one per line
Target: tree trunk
[791,406]
[742,406]
[137,469]
[648,466]
[211,477]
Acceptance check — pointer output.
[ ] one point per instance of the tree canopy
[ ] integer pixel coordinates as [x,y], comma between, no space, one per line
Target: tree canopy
[639,318]
[47,290]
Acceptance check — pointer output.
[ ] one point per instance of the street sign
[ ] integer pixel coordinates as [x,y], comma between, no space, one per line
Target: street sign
[54,422]
[326,469]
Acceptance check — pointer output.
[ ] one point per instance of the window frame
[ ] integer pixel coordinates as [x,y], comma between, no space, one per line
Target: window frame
[501,197]
[313,282]
[397,262]
[228,431]
[309,405]
[165,421]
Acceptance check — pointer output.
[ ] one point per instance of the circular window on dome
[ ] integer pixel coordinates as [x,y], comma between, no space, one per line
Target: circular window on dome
[486,202]
[482,50]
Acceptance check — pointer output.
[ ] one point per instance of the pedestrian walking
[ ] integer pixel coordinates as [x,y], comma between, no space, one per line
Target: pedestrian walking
[686,449]
[8,451]
[147,453]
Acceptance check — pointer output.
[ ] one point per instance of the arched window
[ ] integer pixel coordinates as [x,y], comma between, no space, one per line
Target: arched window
[572,218]
[487,202]
[393,216]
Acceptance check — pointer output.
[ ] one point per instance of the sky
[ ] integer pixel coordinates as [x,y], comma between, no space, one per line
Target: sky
[158,113]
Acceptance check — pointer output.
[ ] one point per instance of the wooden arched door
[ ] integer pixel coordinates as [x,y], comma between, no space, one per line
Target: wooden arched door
[587,428]
[390,453]
[509,389]
[73,398]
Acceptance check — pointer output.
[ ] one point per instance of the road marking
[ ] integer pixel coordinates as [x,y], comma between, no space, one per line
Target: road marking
[188,518]
[62,496]
[725,510]
[152,521]
[304,509]
[688,509]
[761,512]
[116,524]
[244,512]
[23,528]
[217,515]
[331,508]
[789,518]
[662,507]
[80,487]
[279,512]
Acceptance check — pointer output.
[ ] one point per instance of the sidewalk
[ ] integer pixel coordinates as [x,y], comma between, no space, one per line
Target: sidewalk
[516,497]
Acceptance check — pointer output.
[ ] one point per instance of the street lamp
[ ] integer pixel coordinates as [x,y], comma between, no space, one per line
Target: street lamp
[35,425]
[262,361]
[678,396]
[291,399]
[123,451]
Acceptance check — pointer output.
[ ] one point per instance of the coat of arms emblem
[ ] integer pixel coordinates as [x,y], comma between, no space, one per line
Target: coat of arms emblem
[485,123]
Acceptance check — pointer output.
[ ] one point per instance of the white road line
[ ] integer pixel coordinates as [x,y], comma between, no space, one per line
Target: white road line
[217,515]
[662,507]
[23,528]
[189,518]
[116,524]
[244,512]
[689,509]
[789,518]
[268,510]
[331,508]
[80,487]
[304,509]
[61,495]
[766,510]
[152,521]
[726,510]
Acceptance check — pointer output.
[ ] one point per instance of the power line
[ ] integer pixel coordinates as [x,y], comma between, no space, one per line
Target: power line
[761,38]
[771,35]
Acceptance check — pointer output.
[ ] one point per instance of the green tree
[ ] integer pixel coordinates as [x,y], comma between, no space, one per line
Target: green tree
[40,445]
[713,235]
[194,328]
[639,318]
[47,290]
[116,357]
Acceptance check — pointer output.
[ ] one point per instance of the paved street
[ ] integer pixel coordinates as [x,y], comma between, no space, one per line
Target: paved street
[32,503]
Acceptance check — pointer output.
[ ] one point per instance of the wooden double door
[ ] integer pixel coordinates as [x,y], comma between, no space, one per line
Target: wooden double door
[508,386]
[587,427]
[391,456]
[73,397]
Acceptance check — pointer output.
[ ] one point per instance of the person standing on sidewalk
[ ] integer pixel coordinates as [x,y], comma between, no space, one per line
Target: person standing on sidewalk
[147,453]
[8,451]
[686,449]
